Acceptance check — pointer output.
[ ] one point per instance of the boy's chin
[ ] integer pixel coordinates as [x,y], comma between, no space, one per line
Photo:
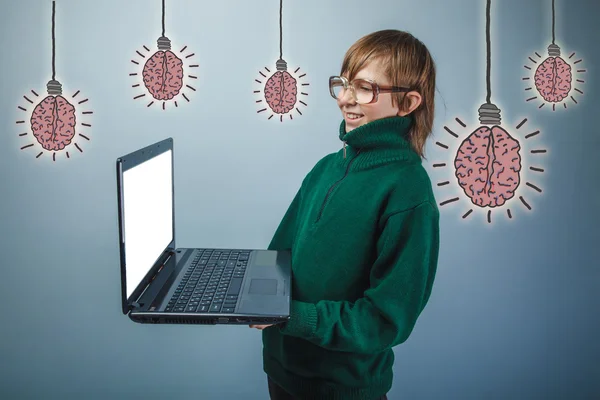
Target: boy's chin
[351,126]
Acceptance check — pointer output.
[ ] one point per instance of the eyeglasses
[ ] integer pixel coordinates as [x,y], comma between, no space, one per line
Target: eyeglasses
[363,91]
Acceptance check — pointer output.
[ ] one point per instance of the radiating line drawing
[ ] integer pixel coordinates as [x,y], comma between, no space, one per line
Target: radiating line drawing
[488,163]
[164,75]
[283,91]
[53,120]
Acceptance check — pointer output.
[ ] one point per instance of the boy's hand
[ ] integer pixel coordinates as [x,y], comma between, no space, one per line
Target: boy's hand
[261,327]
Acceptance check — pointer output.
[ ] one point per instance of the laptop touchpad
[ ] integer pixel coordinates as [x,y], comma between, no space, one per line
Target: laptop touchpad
[263,286]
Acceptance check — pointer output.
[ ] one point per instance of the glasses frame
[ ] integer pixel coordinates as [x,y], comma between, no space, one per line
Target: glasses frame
[376,88]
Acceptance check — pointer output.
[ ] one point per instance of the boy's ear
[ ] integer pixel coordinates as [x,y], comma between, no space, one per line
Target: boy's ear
[411,101]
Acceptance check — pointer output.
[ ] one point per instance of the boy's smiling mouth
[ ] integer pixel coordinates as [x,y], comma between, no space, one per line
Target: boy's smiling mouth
[353,116]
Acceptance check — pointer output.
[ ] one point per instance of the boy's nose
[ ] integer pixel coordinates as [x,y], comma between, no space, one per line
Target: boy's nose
[347,98]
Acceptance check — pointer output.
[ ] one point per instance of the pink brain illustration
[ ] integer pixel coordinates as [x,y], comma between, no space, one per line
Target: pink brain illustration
[281,92]
[488,165]
[553,79]
[53,123]
[163,75]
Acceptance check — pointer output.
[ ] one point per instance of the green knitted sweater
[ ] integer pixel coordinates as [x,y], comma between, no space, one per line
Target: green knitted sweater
[364,235]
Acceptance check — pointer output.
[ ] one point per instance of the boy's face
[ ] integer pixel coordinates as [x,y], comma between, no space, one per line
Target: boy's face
[356,114]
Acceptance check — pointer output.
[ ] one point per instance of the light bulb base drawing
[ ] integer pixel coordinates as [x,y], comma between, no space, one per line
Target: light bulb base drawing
[489,114]
[54,88]
[553,50]
[281,65]
[163,43]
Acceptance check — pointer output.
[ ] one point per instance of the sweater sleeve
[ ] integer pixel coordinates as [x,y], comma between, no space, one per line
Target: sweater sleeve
[401,279]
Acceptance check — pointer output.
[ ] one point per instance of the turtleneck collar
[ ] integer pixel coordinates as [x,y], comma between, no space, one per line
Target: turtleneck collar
[378,142]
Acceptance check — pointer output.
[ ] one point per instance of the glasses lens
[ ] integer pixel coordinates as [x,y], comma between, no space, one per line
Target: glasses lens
[336,87]
[363,90]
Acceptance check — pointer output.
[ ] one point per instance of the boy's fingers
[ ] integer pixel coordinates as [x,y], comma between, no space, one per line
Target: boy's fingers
[261,327]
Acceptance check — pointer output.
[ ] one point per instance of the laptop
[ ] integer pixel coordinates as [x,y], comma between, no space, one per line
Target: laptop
[163,284]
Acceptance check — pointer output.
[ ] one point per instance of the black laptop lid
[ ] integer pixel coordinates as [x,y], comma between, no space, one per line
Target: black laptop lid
[146,216]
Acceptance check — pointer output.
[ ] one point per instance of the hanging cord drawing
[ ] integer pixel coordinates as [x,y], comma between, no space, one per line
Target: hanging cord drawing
[54,87]
[489,114]
[163,42]
[281,64]
[163,17]
[553,49]
[281,29]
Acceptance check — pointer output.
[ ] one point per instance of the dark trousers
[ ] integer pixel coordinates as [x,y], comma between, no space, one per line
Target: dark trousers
[276,392]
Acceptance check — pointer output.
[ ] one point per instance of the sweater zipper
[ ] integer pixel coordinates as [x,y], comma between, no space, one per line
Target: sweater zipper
[335,184]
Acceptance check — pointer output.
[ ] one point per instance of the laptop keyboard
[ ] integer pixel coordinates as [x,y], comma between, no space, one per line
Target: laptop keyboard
[212,283]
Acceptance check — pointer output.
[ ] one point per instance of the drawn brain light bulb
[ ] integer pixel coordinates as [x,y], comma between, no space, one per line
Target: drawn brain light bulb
[53,119]
[553,76]
[163,72]
[281,89]
[488,162]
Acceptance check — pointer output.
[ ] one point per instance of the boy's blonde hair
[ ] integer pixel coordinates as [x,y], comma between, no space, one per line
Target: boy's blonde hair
[407,63]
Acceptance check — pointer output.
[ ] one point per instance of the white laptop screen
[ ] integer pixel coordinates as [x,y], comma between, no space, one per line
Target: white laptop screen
[148,215]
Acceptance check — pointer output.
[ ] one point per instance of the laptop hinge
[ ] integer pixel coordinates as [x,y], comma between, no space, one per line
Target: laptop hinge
[135,305]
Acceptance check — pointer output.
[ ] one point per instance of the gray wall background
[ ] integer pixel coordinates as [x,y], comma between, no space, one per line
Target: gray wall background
[514,311]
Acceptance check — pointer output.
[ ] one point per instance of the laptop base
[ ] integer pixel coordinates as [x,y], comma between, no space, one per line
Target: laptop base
[196,319]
